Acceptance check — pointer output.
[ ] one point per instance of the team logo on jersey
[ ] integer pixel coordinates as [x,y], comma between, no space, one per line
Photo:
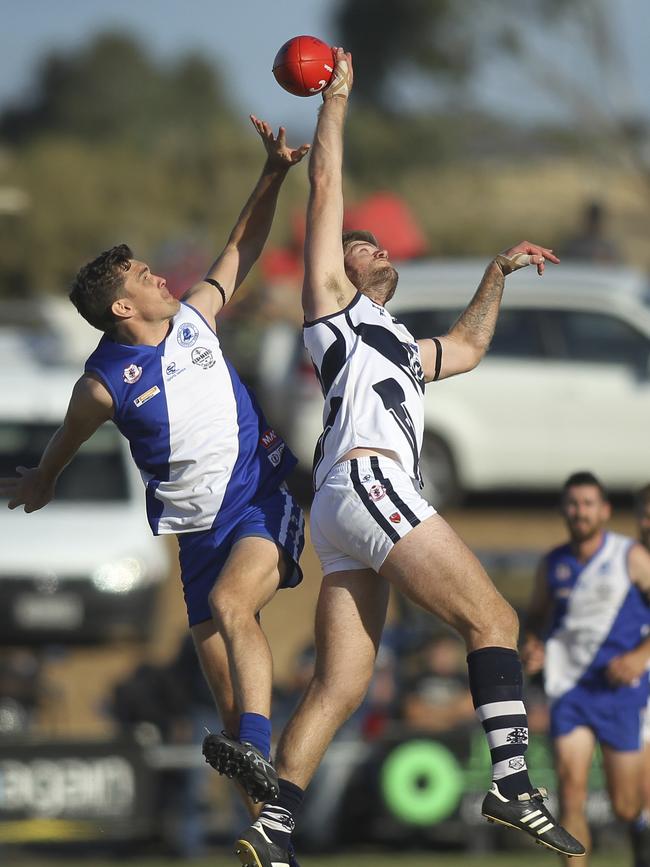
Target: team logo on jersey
[203,357]
[376,492]
[395,517]
[187,334]
[562,572]
[517,764]
[132,373]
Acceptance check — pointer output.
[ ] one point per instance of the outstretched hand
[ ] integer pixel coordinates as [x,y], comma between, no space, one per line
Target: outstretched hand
[342,77]
[280,155]
[28,489]
[524,254]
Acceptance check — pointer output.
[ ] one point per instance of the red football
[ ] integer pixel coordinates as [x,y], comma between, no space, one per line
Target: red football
[304,65]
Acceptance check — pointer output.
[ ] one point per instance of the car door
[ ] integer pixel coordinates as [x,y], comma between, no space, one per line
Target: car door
[603,402]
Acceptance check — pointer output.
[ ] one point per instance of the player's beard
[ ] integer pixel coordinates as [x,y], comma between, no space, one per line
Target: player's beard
[583,531]
[379,281]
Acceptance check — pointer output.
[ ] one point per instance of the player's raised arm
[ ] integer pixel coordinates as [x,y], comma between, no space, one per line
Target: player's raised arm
[90,406]
[469,338]
[326,287]
[252,228]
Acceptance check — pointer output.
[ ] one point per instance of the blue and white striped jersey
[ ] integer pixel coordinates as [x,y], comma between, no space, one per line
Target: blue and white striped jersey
[197,435]
[598,614]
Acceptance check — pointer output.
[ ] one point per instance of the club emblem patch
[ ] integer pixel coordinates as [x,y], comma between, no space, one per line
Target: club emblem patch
[376,491]
[132,373]
[517,764]
[187,334]
[395,517]
[203,357]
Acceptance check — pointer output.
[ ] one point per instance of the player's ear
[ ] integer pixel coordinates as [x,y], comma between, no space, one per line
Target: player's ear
[122,308]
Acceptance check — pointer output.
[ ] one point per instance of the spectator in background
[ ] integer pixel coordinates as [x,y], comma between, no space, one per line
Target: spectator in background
[436,696]
[591,242]
[643,520]
[588,627]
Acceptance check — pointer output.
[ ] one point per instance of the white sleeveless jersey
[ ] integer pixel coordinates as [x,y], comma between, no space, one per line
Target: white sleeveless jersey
[598,614]
[369,369]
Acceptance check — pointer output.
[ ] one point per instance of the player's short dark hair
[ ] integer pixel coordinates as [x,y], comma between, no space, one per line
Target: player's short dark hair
[584,477]
[97,285]
[358,235]
[642,497]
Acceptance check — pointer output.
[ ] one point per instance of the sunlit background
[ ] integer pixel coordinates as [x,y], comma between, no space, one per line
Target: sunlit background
[471,126]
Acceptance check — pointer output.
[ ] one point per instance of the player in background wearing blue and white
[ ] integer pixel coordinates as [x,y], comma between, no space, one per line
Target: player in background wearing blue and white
[587,627]
[213,469]
[370,526]
[643,521]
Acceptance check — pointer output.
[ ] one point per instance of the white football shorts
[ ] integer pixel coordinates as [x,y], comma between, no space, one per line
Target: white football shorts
[362,509]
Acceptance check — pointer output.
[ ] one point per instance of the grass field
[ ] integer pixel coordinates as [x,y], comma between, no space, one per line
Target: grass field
[531,858]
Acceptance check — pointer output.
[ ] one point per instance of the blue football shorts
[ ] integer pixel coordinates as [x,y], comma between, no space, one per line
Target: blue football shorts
[202,555]
[615,716]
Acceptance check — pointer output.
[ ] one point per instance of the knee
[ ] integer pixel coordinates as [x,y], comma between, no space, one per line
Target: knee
[626,807]
[229,609]
[497,625]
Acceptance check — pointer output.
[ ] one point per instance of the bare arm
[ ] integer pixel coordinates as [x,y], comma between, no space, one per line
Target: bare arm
[90,406]
[326,287]
[252,228]
[469,338]
[539,611]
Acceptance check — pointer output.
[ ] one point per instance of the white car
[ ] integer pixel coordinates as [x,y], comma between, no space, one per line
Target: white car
[86,567]
[565,385]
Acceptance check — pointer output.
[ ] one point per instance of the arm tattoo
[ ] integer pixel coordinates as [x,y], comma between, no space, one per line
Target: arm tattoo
[477,322]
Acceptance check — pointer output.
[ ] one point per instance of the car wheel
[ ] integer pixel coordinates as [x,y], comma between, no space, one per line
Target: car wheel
[441,486]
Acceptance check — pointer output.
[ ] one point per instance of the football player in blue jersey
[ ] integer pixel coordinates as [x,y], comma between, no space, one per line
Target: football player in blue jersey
[214,470]
[643,520]
[588,627]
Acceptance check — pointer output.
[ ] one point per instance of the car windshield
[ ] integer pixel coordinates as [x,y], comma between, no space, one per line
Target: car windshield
[96,474]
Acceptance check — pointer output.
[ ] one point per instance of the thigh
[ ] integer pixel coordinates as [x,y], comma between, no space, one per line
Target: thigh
[250,577]
[350,617]
[436,570]
[573,756]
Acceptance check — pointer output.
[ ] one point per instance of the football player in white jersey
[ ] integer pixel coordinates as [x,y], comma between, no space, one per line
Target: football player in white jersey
[214,471]
[588,627]
[370,527]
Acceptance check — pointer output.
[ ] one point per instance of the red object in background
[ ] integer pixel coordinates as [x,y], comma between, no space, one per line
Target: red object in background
[385,215]
[281,263]
[391,221]
[304,65]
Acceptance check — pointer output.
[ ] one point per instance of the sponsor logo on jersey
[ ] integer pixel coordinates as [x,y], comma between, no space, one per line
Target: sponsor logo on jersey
[173,370]
[132,373]
[273,445]
[269,438]
[147,395]
[395,517]
[376,492]
[187,334]
[203,357]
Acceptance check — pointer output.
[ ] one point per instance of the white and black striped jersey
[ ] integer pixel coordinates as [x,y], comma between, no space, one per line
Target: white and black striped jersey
[369,369]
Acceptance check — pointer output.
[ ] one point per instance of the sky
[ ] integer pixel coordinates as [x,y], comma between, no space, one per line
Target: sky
[243,36]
